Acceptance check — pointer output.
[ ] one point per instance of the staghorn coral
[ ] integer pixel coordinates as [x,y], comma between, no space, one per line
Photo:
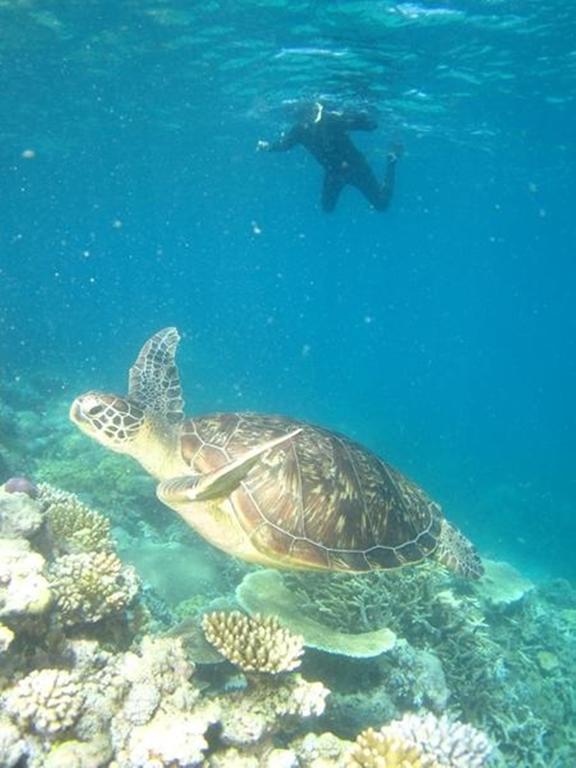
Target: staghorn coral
[254,644]
[72,526]
[376,749]
[362,602]
[452,744]
[90,586]
[48,701]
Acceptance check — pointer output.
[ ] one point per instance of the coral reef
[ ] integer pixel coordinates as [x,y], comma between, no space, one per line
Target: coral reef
[452,744]
[84,683]
[91,585]
[254,644]
[20,515]
[24,590]
[265,592]
[262,709]
[376,749]
[48,701]
[72,526]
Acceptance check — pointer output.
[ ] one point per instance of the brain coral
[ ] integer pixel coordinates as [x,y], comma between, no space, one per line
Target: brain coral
[91,585]
[48,700]
[254,644]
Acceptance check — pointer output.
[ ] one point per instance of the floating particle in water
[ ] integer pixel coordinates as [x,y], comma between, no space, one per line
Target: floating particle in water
[28,154]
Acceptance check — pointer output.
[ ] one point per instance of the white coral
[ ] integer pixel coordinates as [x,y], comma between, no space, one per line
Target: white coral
[260,710]
[23,588]
[20,516]
[452,744]
[12,746]
[169,739]
[48,700]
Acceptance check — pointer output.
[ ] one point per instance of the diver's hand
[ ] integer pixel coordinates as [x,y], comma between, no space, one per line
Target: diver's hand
[262,146]
[395,152]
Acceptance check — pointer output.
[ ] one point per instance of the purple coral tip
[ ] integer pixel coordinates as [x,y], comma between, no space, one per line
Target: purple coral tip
[21,485]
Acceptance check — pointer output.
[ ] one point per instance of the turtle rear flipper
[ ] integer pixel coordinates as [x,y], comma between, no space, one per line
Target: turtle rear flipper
[220,482]
[457,553]
[154,382]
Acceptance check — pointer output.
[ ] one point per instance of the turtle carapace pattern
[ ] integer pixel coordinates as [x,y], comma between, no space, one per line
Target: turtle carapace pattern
[270,489]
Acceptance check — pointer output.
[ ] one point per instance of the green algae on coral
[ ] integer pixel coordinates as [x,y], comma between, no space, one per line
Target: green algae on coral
[264,592]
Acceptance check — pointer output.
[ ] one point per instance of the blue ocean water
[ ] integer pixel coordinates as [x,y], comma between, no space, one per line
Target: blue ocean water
[440,334]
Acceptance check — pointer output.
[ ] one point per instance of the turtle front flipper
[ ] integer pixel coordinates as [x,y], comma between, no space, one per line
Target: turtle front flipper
[457,553]
[220,482]
[154,382]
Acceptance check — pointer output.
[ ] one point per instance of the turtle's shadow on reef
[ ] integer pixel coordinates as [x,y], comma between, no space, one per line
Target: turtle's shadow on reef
[358,697]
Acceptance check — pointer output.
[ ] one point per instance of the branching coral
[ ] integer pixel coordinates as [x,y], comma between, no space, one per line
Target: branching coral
[48,700]
[367,601]
[375,749]
[90,586]
[73,527]
[254,644]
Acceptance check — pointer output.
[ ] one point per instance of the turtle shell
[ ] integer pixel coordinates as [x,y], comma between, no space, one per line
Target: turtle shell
[320,501]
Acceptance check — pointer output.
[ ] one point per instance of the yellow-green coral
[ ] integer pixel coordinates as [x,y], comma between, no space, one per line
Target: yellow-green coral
[48,700]
[375,749]
[73,526]
[91,585]
[255,644]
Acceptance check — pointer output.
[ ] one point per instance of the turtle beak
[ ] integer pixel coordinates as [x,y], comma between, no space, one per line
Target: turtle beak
[84,410]
[76,413]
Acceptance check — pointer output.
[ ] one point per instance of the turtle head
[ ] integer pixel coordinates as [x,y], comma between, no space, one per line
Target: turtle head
[115,422]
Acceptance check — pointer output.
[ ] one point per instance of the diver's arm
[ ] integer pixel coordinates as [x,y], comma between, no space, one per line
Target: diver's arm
[284,143]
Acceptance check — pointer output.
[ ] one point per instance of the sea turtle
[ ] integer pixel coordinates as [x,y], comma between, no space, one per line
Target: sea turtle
[270,489]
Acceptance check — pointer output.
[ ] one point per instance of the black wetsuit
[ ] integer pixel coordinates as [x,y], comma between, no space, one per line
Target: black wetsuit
[328,141]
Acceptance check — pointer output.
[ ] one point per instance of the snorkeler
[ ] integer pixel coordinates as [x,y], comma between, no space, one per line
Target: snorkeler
[324,133]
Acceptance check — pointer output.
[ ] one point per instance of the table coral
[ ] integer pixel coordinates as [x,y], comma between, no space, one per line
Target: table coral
[91,585]
[265,592]
[48,701]
[254,644]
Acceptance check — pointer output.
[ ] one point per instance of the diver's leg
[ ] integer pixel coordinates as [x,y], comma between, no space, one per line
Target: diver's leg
[331,191]
[378,195]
